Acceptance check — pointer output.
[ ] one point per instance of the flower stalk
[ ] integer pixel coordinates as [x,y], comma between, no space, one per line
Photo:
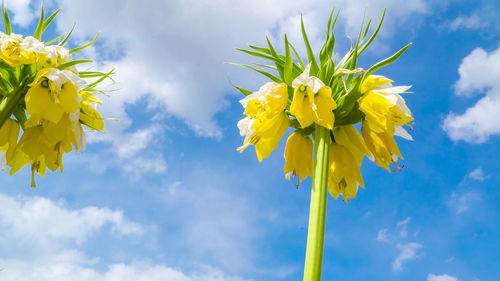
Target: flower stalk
[317,211]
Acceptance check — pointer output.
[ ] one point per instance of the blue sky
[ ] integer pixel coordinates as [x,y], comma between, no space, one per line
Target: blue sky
[164,195]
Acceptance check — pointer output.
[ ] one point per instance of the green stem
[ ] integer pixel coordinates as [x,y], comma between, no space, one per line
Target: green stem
[9,103]
[317,212]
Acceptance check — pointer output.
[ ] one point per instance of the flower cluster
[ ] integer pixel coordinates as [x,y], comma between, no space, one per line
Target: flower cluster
[45,101]
[332,96]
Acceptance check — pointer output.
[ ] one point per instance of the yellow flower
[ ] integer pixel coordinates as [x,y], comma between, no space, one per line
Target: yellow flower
[89,116]
[344,176]
[298,156]
[44,143]
[266,121]
[382,145]
[53,93]
[312,101]
[384,108]
[15,51]
[270,99]
[350,138]
[265,133]
[8,138]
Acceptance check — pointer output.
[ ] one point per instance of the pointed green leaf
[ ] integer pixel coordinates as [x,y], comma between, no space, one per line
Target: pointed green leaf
[386,62]
[287,75]
[47,22]
[85,46]
[267,74]
[299,59]
[63,42]
[6,20]
[39,26]
[310,54]
[71,63]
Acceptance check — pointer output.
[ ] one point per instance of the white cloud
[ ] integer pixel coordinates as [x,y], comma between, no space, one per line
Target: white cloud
[478,75]
[398,239]
[466,22]
[382,235]
[407,252]
[43,240]
[460,203]
[477,175]
[353,13]
[403,227]
[444,277]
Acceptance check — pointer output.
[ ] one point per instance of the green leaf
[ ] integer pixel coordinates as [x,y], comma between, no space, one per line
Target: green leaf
[272,51]
[299,59]
[310,54]
[63,42]
[6,20]
[260,49]
[259,55]
[71,63]
[54,40]
[269,75]
[104,76]
[288,63]
[39,26]
[47,22]
[85,46]
[375,33]
[386,62]
[243,91]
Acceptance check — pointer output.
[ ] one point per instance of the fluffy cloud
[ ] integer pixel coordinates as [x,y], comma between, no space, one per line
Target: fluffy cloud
[478,75]
[397,238]
[477,175]
[466,22]
[407,252]
[462,202]
[444,277]
[49,238]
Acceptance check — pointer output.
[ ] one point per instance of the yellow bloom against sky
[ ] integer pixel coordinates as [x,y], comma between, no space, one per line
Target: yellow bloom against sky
[162,193]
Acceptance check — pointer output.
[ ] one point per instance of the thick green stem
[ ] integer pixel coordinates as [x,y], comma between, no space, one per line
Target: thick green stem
[9,103]
[317,212]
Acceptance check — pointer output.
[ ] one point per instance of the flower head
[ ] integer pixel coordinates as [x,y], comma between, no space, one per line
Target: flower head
[312,101]
[298,156]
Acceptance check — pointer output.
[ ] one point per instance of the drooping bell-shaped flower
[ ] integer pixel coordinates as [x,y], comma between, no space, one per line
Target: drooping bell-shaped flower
[9,134]
[344,175]
[266,120]
[53,93]
[382,145]
[385,109]
[298,156]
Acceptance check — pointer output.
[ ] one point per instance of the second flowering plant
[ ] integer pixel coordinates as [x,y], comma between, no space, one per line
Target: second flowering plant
[45,101]
[322,100]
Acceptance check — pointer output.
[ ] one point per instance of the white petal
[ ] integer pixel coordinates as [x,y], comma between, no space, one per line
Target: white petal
[400,131]
[302,78]
[393,90]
